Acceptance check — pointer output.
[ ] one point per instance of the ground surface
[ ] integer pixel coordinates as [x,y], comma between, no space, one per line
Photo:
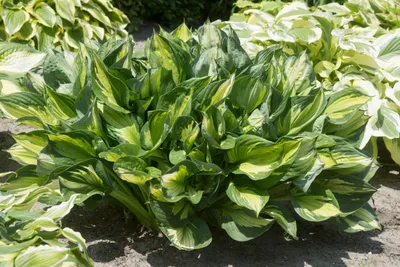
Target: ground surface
[115,242]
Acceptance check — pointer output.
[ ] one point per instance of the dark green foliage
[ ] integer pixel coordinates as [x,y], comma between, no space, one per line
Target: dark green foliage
[171,13]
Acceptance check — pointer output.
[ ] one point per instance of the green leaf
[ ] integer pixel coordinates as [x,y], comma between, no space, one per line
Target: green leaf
[258,158]
[194,235]
[108,87]
[14,19]
[132,170]
[282,216]
[57,71]
[248,196]
[66,10]
[170,55]
[350,192]
[122,127]
[34,141]
[241,225]
[343,105]
[318,204]
[248,92]
[18,59]
[24,104]
[305,109]
[393,146]
[155,130]
[364,219]
[78,145]
[60,105]
[177,102]
[45,15]
[42,255]
[120,151]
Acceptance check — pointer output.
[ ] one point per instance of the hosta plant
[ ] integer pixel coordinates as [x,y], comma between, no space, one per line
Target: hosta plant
[195,135]
[354,49]
[59,23]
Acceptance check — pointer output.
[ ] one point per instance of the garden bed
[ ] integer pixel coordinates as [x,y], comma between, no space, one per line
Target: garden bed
[113,241]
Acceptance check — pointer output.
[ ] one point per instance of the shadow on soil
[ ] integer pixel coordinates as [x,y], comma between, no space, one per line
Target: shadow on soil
[318,245]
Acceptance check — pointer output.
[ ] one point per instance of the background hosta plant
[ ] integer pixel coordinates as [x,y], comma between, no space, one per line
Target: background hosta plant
[354,49]
[59,23]
[197,134]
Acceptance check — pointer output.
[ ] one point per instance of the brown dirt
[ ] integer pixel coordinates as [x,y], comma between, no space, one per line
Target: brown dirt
[114,241]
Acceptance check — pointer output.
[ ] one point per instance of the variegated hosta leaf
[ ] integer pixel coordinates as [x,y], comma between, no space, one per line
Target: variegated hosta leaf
[364,219]
[393,145]
[350,192]
[169,55]
[14,19]
[258,158]
[189,180]
[318,204]
[132,169]
[26,104]
[248,196]
[18,59]
[194,235]
[282,216]
[240,224]
[109,88]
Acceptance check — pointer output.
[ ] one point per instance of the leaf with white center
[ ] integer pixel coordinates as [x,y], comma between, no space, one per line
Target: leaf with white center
[170,55]
[194,235]
[386,123]
[109,88]
[393,145]
[175,183]
[258,158]
[344,158]
[350,192]
[60,105]
[299,73]
[177,102]
[132,170]
[77,145]
[344,104]
[364,219]
[305,109]
[18,59]
[248,196]
[24,104]
[122,127]
[154,132]
[65,9]
[45,14]
[22,155]
[96,12]
[14,19]
[318,204]
[241,224]
[282,216]
[34,141]
[42,256]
